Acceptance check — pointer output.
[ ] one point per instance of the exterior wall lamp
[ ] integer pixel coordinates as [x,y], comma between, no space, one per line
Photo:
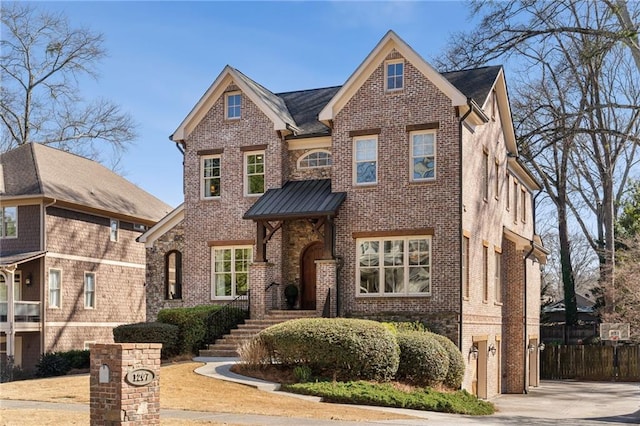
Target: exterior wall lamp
[492,349]
[28,280]
[531,347]
[473,351]
[541,346]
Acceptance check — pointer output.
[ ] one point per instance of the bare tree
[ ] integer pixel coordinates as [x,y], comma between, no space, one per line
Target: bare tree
[41,61]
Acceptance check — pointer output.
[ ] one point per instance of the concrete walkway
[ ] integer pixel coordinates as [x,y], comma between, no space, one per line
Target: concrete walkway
[553,403]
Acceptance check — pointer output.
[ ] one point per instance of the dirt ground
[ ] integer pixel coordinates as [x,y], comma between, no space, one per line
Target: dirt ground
[180,389]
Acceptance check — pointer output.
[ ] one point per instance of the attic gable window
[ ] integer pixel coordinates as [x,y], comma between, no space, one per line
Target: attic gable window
[233,102]
[394,76]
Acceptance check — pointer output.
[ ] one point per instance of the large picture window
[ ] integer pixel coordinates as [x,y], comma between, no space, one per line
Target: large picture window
[230,271]
[9,225]
[423,155]
[366,160]
[394,266]
[254,173]
[211,176]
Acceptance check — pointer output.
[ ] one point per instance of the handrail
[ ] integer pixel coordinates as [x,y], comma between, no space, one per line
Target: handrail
[24,311]
[221,321]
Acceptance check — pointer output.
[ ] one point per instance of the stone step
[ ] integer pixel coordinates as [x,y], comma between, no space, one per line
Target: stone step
[215,353]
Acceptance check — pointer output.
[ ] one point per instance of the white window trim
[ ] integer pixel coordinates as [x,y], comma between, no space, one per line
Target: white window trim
[355,163]
[308,153]
[59,306]
[386,75]
[213,271]
[382,293]
[226,105]
[486,175]
[523,201]
[246,173]
[203,179]
[3,231]
[435,154]
[111,237]
[95,285]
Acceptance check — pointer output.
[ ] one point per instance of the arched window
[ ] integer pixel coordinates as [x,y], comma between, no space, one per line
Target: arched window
[173,275]
[316,158]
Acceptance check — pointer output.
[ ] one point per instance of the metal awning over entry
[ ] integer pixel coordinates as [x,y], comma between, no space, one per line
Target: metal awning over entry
[304,199]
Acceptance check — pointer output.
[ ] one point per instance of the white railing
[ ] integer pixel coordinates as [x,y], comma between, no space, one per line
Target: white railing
[23,311]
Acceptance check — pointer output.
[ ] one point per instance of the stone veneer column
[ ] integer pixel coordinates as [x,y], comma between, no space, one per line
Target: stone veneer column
[325,281]
[114,399]
[260,276]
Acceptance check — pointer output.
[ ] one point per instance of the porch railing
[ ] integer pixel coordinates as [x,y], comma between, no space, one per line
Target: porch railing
[24,311]
[221,321]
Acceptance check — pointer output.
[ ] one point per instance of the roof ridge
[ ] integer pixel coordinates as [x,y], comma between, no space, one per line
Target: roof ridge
[308,90]
[471,69]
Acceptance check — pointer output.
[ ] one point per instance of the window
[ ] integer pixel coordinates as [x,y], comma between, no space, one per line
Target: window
[485,273]
[89,290]
[485,175]
[423,155]
[55,285]
[315,159]
[9,226]
[498,275]
[508,197]
[113,229]
[173,275]
[497,181]
[523,205]
[515,201]
[395,75]
[233,106]
[4,294]
[254,173]
[230,271]
[465,267]
[366,160]
[494,104]
[210,176]
[394,266]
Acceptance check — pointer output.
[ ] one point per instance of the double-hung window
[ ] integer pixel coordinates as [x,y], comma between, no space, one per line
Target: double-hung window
[210,166]
[366,160]
[498,275]
[9,225]
[230,271]
[89,290]
[394,78]
[394,266]
[465,267]
[233,106]
[254,172]
[55,286]
[423,155]
[485,175]
[114,225]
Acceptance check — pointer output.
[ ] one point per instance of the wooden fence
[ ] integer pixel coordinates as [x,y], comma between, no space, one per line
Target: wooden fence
[586,362]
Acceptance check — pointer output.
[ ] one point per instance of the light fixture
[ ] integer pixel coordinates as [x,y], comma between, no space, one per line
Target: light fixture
[541,346]
[28,279]
[492,349]
[473,352]
[531,347]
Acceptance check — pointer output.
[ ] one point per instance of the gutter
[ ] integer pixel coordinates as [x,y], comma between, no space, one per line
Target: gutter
[460,211]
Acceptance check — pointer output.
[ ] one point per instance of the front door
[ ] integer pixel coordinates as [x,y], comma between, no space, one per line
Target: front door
[308,274]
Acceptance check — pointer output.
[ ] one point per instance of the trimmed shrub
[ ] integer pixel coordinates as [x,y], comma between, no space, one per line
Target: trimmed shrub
[401,326]
[192,326]
[149,332]
[455,373]
[346,349]
[78,358]
[52,364]
[423,360]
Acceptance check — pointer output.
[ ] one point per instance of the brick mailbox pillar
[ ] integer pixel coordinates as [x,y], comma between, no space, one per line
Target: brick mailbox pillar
[125,384]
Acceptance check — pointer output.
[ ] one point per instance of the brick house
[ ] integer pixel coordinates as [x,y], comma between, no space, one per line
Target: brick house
[398,195]
[70,266]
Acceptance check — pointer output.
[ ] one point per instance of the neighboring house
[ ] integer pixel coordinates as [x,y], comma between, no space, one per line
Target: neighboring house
[70,266]
[397,196]
[553,322]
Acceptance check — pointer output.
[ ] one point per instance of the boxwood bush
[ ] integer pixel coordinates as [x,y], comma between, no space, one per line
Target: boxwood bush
[149,332]
[455,373]
[423,360]
[343,348]
[52,364]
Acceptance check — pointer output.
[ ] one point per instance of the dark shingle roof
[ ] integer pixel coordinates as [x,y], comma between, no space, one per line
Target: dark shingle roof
[305,105]
[474,83]
[297,199]
[35,169]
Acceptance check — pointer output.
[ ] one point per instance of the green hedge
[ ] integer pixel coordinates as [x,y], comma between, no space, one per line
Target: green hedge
[149,332]
[347,349]
[455,373]
[423,360]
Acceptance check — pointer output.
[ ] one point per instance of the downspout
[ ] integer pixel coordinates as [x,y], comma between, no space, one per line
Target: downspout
[524,266]
[460,212]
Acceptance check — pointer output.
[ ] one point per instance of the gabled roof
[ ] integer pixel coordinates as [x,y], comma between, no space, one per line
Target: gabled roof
[474,83]
[39,170]
[162,227]
[305,105]
[297,199]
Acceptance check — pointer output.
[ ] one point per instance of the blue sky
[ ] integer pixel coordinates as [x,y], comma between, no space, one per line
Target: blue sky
[163,56]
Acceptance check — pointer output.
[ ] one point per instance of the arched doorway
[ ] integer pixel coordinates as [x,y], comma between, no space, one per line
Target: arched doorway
[310,254]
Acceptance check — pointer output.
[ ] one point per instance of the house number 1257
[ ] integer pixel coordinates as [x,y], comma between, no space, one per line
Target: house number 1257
[140,377]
